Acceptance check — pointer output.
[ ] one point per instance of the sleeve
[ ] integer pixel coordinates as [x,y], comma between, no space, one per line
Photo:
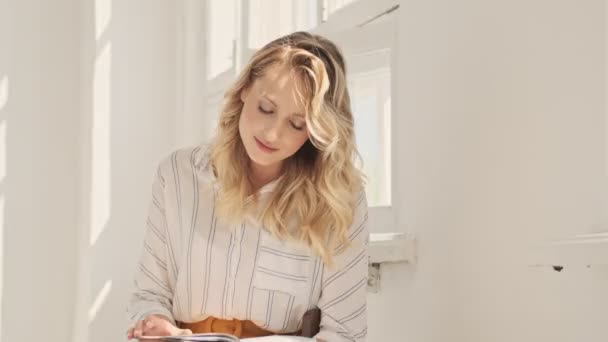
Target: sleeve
[343,300]
[152,292]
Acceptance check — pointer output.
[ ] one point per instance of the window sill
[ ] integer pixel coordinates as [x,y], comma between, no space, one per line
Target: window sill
[580,250]
[392,247]
[388,248]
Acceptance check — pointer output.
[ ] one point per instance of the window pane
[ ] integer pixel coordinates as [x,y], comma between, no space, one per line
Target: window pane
[331,6]
[371,103]
[270,19]
[221,36]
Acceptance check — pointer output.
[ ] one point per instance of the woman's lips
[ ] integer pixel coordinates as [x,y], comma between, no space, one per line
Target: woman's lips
[264,147]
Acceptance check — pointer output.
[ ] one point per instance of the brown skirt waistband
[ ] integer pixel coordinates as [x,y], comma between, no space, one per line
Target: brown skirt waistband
[236,327]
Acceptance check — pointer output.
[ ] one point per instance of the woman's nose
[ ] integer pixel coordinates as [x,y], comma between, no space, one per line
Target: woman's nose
[272,131]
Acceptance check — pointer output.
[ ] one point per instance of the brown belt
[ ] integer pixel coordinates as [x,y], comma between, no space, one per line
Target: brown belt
[236,327]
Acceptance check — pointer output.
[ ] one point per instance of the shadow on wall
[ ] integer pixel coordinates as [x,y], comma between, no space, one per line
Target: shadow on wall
[4,92]
[38,167]
[4,86]
[130,102]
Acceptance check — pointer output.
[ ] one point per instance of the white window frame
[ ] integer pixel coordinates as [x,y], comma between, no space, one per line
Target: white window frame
[347,27]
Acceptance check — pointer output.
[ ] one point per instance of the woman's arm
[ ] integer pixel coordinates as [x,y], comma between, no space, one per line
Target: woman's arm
[343,300]
[153,293]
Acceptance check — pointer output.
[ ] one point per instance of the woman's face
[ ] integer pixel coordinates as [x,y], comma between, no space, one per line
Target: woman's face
[272,124]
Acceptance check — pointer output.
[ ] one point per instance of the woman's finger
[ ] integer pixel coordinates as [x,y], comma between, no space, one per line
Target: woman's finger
[130,333]
[148,327]
[138,330]
[183,332]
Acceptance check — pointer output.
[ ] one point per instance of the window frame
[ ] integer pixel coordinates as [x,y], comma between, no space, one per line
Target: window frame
[353,29]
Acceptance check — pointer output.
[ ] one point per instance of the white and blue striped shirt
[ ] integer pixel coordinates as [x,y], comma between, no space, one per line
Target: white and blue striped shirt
[194,266]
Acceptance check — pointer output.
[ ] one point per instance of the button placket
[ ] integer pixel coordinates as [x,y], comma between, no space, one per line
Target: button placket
[236,254]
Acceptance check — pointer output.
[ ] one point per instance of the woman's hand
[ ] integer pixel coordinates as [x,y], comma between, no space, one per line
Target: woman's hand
[156,325]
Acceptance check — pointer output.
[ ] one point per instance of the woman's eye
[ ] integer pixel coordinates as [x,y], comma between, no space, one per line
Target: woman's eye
[265,111]
[297,127]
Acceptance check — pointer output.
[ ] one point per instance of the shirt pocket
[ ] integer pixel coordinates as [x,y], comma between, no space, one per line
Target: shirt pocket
[281,283]
[272,309]
[282,265]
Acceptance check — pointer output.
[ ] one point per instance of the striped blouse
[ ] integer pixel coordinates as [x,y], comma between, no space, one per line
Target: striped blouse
[194,266]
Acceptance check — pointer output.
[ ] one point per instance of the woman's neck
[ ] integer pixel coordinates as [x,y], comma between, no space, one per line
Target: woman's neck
[263,174]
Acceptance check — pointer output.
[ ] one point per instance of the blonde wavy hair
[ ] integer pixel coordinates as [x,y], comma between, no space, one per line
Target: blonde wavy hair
[320,184]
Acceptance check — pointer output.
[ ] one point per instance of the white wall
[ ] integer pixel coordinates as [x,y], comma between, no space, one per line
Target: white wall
[39,62]
[130,129]
[90,110]
[503,124]
[193,122]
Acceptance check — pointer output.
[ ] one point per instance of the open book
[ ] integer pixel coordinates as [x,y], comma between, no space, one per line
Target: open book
[209,337]
[224,338]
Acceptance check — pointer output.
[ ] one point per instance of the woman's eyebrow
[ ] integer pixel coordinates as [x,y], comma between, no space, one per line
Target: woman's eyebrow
[270,100]
[265,96]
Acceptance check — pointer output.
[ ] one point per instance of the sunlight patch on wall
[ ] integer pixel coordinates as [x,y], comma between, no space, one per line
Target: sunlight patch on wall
[100,300]
[222,34]
[2,150]
[103,14]
[100,168]
[3,101]
[3,91]
[2,202]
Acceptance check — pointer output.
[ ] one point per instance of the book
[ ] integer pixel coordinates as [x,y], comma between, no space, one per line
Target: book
[224,338]
[208,337]
[278,338]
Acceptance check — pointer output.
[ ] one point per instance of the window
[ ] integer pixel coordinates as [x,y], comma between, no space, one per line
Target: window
[366,33]
[364,30]
[270,19]
[370,92]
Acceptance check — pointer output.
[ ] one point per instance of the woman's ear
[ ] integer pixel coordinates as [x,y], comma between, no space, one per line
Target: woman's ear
[244,93]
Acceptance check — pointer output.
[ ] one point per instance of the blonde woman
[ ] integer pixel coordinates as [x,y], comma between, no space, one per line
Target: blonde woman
[267,222]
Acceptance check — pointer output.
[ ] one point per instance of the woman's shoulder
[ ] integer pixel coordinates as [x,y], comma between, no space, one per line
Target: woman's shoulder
[186,161]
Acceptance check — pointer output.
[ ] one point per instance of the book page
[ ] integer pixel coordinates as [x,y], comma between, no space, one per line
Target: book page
[278,338]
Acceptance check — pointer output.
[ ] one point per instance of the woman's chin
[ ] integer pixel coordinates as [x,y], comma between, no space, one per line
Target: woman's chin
[265,162]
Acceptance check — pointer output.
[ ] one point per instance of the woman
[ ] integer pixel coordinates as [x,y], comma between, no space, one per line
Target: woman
[270,220]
